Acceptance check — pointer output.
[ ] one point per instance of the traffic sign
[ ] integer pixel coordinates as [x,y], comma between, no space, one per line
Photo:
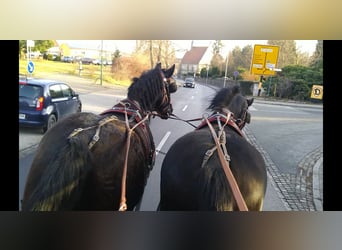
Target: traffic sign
[265,58]
[30,67]
[236,73]
[317,91]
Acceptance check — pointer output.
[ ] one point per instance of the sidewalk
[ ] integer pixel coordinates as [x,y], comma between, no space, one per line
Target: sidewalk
[312,164]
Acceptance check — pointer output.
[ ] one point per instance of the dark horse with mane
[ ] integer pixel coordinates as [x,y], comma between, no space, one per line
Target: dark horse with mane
[192,175]
[101,161]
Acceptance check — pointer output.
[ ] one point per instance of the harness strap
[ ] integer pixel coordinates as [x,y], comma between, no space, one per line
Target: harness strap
[207,156]
[96,136]
[225,164]
[123,205]
[219,117]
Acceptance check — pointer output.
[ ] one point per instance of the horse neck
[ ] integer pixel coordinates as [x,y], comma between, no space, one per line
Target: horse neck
[145,98]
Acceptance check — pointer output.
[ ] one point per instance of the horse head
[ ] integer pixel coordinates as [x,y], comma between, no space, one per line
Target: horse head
[232,99]
[152,91]
[164,106]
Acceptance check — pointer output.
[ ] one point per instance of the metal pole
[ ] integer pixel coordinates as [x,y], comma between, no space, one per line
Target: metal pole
[225,72]
[101,62]
[269,86]
[206,80]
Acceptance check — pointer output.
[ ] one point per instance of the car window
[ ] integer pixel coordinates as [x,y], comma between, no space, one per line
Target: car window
[29,91]
[56,91]
[66,90]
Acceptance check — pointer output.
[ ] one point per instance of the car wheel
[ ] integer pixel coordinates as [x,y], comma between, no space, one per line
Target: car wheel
[79,109]
[51,122]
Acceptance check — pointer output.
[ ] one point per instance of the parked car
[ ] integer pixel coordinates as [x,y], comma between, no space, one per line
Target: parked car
[189,82]
[44,102]
[68,59]
[87,60]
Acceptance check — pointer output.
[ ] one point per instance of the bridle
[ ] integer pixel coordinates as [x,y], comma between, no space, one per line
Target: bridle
[164,109]
[242,120]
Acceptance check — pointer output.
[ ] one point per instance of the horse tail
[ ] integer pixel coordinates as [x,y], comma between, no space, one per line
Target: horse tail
[61,184]
[216,194]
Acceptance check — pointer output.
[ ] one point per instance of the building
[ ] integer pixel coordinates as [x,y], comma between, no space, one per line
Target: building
[194,60]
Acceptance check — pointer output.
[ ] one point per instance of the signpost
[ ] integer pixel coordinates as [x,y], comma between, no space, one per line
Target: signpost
[265,58]
[264,61]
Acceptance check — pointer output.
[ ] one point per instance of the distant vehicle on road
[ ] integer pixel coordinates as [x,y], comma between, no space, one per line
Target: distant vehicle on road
[189,82]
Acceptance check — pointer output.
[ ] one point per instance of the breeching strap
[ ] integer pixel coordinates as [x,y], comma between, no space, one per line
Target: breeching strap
[123,205]
[231,180]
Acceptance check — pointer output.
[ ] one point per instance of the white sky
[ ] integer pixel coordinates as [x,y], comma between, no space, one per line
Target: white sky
[127,46]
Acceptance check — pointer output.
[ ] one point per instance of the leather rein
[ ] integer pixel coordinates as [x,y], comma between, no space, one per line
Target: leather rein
[220,146]
[225,158]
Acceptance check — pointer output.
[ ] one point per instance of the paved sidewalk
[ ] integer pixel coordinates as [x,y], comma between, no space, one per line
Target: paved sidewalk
[308,193]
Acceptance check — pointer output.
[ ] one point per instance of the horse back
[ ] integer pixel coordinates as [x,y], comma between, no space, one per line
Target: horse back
[70,172]
[198,180]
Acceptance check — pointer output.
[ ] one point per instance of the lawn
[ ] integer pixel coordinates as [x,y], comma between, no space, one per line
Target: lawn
[44,67]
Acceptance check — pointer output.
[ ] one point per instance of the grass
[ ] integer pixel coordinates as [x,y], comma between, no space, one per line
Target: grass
[44,67]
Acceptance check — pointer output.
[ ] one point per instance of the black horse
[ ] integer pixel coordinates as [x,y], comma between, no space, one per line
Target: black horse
[192,176]
[101,162]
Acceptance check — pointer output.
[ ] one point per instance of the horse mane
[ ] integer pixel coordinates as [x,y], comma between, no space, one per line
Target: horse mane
[146,88]
[224,97]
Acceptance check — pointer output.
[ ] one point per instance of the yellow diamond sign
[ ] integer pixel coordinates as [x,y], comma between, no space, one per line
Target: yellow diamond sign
[265,59]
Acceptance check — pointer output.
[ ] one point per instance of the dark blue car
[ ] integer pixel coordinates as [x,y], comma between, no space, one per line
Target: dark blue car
[43,102]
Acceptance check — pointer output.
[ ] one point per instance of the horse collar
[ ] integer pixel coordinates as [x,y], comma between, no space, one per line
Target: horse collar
[131,107]
[214,118]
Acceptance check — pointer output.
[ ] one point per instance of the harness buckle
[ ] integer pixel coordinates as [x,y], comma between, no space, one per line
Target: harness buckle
[75,132]
[96,138]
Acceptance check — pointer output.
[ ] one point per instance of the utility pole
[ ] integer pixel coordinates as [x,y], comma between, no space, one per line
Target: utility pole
[225,72]
[101,62]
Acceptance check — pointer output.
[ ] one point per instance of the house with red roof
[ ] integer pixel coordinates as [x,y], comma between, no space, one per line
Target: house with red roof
[194,60]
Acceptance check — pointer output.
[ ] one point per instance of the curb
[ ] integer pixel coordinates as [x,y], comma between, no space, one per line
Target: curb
[317,188]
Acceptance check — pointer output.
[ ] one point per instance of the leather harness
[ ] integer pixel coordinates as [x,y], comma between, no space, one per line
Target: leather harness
[132,109]
[220,146]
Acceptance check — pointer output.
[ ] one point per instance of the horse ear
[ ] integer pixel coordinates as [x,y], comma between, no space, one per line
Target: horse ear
[169,72]
[158,65]
[250,101]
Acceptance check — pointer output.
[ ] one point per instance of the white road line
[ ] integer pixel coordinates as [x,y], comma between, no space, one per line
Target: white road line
[185,107]
[161,143]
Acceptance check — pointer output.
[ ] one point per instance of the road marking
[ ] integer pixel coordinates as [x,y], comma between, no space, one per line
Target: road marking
[162,142]
[185,107]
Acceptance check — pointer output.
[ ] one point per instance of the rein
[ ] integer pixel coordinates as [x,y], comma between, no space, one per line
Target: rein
[123,204]
[224,159]
[220,146]
[187,121]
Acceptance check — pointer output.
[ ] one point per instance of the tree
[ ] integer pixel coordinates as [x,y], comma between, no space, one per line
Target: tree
[157,51]
[316,60]
[217,47]
[287,52]
[39,45]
